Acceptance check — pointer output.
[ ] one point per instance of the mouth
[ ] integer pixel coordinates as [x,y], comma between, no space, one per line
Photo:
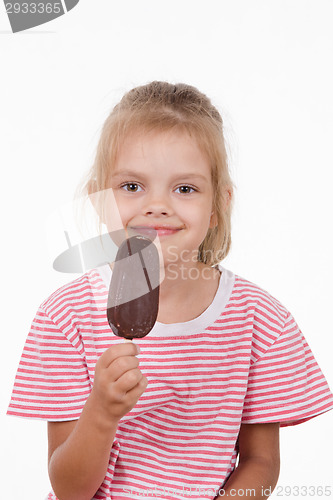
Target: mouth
[152,231]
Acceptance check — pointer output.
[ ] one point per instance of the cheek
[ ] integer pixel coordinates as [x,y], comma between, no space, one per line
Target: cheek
[205,210]
[197,215]
[127,207]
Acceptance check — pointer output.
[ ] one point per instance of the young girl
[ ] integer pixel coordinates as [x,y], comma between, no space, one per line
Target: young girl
[225,365]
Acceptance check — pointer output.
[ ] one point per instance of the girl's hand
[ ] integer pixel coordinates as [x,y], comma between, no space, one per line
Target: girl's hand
[79,451]
[118,382]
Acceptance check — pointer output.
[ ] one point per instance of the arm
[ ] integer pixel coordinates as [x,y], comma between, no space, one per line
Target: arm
[79,450]
[259,463]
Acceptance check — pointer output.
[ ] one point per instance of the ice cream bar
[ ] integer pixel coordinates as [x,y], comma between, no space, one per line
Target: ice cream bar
[134,290]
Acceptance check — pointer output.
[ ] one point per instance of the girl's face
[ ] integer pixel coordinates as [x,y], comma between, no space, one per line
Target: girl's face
[162,181]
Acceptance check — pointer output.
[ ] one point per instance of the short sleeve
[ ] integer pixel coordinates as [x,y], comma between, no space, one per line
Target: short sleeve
[286,384]
[52,381]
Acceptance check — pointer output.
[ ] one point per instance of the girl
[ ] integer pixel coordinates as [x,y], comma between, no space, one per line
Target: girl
[223,368]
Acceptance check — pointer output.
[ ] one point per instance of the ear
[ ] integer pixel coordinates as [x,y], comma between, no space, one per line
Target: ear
[213,220]
[225,205]
[227,198]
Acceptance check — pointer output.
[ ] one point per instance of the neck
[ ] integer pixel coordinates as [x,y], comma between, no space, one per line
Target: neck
[183,280]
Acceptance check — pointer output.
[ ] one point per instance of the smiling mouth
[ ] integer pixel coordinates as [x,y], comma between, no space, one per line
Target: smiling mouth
[156,230]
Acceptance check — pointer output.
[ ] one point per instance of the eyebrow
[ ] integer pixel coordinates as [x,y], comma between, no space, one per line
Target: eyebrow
[185,176]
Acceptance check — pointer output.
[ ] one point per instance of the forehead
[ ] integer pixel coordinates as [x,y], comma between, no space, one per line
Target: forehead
[169,147]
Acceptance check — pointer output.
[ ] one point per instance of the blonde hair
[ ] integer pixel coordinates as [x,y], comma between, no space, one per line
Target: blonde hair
[161,106]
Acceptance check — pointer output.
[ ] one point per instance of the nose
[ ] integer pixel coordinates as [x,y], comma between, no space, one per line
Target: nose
[157,204]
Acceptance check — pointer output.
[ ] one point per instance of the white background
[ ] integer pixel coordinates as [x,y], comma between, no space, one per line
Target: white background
[267,65]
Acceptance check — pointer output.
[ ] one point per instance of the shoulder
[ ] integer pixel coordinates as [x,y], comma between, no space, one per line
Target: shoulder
[85,291]
[250,295]
[262,315]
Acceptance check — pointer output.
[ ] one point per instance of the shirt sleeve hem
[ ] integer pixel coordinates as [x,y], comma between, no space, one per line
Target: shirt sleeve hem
[284,421]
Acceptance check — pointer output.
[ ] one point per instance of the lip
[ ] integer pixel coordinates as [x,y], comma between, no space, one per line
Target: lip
[160,230]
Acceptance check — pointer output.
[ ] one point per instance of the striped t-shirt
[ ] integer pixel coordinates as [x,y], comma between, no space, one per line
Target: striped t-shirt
[243,360]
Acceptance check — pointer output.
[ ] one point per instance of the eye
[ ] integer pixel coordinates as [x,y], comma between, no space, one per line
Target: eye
[131,187]
[185,189]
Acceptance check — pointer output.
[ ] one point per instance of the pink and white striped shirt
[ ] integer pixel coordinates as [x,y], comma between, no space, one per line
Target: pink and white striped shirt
[243,360]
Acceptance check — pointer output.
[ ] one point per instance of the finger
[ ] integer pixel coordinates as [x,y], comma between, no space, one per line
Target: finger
[138,390]
[116,351]
[128,381]
[120,366]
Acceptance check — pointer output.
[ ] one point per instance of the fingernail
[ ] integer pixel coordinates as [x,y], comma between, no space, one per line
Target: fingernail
[138,348]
